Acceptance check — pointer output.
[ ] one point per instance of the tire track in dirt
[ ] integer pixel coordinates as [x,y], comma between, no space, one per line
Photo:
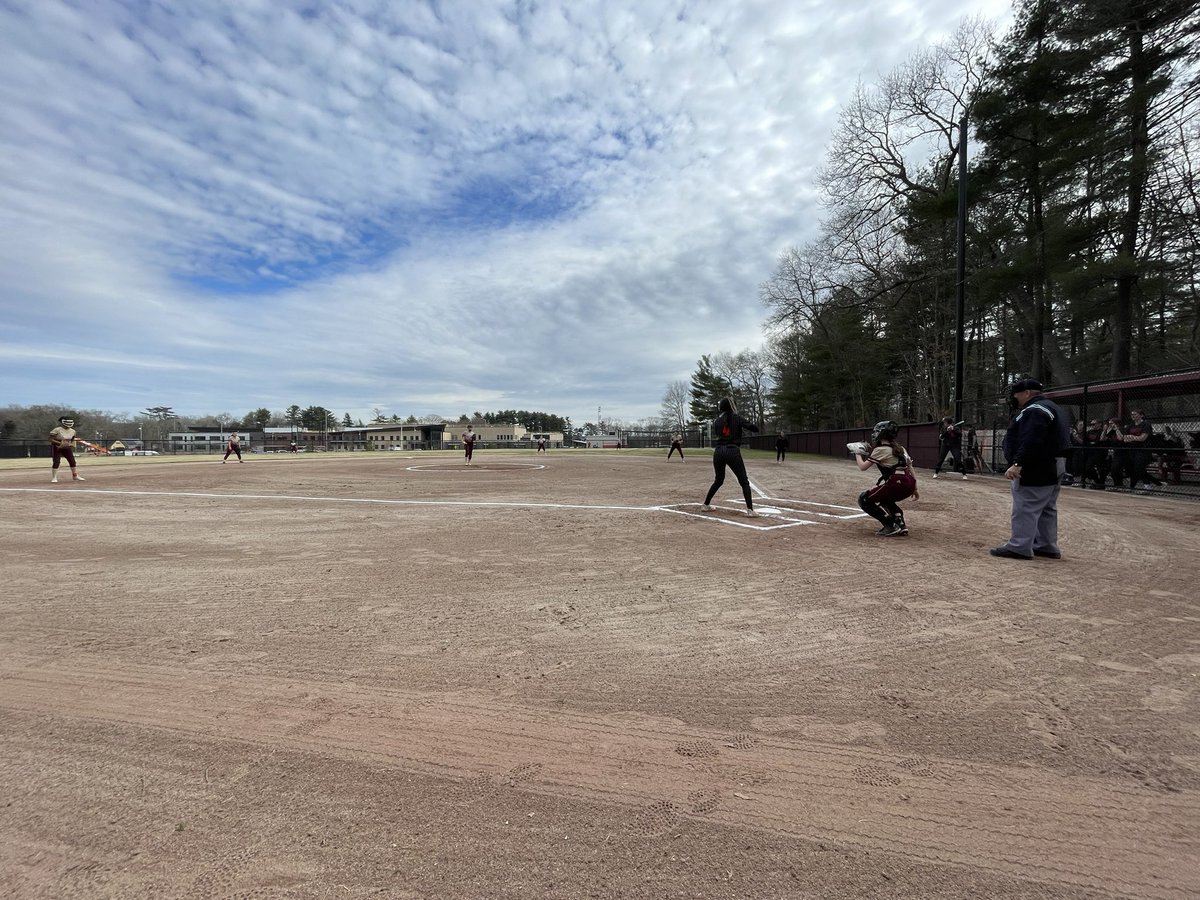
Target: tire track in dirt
[657,774]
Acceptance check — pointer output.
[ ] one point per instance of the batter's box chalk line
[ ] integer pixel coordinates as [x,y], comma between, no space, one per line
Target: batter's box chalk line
[773,512]
[769,518]
[813,508]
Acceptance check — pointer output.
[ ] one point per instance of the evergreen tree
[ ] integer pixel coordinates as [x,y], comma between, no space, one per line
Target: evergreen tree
[1066,118]
[707,389]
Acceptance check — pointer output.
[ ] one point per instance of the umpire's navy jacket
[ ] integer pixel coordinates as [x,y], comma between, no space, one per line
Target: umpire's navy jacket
[1037,436]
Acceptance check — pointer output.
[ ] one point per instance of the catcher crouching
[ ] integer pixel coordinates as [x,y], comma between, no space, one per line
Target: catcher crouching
[897,481]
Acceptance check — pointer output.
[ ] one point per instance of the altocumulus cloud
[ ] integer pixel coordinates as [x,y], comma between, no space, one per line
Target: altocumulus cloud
[424,207]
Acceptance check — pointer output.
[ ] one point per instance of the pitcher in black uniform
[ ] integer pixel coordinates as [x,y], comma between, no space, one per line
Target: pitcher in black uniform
[727,440]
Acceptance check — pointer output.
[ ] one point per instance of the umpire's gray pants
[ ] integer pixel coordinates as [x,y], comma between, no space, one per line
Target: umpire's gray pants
[1034,518]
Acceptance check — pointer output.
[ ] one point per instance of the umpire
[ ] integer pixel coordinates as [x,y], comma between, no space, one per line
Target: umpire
[1036,447]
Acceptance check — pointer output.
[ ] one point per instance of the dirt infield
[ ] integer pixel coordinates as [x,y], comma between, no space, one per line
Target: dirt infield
[555,676]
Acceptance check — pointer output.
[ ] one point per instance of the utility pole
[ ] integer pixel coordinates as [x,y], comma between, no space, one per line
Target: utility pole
[961,292]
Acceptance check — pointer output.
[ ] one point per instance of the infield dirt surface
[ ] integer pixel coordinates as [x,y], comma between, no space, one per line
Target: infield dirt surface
[553,677]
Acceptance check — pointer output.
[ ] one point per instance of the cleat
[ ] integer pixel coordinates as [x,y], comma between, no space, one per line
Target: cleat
[706,507]
[1048,554]
[964,476]
[77,478]
[752,514]
[54,480]
[935,474]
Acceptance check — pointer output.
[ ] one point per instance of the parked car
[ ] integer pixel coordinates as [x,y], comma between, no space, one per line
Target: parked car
[141,453]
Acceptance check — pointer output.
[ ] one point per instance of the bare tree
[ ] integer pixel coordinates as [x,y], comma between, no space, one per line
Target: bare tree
[889,167]
[748,375]
[675,402]
[755,382]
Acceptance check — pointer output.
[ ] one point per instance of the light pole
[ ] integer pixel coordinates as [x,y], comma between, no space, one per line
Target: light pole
[141,446]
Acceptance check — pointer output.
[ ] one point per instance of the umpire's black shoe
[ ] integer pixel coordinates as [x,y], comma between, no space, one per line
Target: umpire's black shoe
[1048,554]
[1005,553]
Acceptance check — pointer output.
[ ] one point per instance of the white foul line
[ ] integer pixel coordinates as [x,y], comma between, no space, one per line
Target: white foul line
[758,525]
[379,500]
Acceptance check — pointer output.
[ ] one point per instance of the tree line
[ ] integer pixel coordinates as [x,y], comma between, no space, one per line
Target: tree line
[1082,231]
[156,422]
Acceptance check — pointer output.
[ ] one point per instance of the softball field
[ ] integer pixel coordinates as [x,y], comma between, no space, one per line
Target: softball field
[554,676]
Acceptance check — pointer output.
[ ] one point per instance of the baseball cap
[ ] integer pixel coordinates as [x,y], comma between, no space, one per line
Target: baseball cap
[1025,384]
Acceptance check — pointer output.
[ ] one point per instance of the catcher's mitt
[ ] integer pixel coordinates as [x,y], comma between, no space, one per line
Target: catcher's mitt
[859,448]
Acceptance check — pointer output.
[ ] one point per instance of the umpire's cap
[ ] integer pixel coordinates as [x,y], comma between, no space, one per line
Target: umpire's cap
[1025,384]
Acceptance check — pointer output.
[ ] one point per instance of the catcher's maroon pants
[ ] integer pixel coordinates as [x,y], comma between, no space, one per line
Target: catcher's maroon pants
[880,502]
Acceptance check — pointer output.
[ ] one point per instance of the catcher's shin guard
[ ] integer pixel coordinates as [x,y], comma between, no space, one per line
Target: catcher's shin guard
[873,509]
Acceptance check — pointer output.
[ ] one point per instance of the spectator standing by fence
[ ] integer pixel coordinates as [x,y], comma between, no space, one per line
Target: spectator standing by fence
[1075,456]
[1112,441]
[1136,438]
[1171,457]
[1095,457]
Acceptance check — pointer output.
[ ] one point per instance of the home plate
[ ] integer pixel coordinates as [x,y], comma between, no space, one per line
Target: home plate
[769,510]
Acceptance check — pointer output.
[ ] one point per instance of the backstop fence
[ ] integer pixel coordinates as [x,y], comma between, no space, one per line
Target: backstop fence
[693,436]
[1168,463]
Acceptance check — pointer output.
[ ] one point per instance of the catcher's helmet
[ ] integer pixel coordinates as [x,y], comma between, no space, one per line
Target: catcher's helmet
[886,430]
[66,422]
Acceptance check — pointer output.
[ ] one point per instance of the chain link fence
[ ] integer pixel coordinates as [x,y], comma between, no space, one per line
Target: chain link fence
[1101,413]
[692,437]
[1105,417]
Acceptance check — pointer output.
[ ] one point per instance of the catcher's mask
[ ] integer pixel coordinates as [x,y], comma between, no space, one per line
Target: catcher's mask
[884,431]
[66,422]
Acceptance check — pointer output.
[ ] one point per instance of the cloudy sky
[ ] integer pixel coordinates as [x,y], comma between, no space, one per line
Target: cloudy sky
[425,207]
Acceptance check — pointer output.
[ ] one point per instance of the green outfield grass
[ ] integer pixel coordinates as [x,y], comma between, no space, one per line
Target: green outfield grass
[88,462]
